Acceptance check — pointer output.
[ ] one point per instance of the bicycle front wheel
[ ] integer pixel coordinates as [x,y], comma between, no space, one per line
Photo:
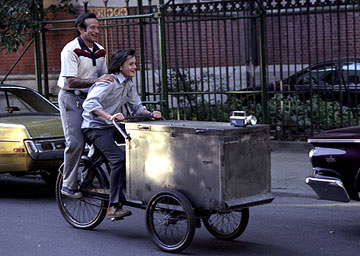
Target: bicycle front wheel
[88,211]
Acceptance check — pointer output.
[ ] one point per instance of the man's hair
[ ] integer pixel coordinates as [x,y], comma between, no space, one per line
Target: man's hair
[118,59]
[80,21]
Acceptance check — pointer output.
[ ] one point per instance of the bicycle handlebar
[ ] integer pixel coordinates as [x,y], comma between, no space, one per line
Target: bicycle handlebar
[123,132]
[131,118]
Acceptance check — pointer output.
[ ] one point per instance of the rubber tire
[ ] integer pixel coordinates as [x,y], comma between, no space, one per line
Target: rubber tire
[80,205]
[356,186]
[167,198]
[49,178]
[241,223]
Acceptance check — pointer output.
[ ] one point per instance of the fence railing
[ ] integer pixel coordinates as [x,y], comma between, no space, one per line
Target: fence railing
[290,63]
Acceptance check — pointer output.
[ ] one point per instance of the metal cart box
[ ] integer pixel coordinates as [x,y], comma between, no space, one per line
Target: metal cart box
[214,164]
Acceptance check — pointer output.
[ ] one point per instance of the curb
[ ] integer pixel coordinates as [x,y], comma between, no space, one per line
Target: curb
[295,146]
[278,193]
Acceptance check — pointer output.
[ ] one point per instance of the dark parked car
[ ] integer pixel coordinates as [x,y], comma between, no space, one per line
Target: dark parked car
[336,164]
[332,80]
[31,136]
[336,75]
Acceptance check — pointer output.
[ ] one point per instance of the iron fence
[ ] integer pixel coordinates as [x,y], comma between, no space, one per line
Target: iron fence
[290,63]
[311,50]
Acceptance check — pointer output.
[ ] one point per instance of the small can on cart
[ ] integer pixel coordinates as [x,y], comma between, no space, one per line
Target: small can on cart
[240,119]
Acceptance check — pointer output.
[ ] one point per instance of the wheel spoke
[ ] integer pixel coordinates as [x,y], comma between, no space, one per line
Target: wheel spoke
[171,221]
[225,222]
[227,225]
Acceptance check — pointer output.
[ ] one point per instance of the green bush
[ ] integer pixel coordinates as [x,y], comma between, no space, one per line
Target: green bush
[291,110]
[289,114]
[287,111]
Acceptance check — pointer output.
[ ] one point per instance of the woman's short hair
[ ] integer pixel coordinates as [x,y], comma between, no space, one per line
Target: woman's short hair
[118,59]
[80,21]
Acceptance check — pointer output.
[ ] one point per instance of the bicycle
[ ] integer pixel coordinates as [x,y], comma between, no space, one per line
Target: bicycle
[172,213]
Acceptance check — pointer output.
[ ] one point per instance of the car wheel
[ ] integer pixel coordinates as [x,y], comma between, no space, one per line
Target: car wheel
[49,177]
[357,186]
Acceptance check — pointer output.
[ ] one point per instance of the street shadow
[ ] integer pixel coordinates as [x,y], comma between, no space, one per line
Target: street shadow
[212,246]
[349,229]
[24,187]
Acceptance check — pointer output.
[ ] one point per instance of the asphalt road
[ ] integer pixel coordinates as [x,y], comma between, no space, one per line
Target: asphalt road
[295,223]
[289,168]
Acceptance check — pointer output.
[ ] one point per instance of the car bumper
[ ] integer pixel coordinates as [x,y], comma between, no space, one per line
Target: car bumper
[328,188]
[46,149]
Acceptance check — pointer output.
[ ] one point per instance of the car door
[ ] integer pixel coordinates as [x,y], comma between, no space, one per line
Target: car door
[351,82]
[12,134]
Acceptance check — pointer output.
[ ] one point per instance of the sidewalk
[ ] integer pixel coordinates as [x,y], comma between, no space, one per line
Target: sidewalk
[290,165]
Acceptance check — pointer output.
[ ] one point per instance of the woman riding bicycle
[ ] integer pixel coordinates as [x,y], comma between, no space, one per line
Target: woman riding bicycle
[105,103]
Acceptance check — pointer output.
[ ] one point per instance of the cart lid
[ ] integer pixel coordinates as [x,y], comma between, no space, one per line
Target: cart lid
[196,127]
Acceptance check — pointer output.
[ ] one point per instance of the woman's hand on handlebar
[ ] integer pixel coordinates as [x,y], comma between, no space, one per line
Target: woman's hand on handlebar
[144,116]
[150,115]
[117,117]
[156,115]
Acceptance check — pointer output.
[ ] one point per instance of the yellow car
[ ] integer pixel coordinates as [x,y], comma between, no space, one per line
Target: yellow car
[31,135]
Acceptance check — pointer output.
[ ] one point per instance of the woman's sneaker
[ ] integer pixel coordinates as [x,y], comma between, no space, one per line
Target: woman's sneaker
[71,193]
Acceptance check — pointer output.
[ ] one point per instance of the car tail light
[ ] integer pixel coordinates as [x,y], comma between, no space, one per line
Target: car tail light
[41,145]
[46,146]
[19,150]
[60,145]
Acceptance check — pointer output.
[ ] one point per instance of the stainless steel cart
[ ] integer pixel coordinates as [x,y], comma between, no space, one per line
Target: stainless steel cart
[183,172]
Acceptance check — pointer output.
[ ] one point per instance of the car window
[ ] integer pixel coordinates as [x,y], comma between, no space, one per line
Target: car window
[321,74]
[331,77]
[18,101]
[351,72]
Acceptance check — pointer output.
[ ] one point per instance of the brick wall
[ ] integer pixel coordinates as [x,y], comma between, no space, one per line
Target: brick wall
[55,41]
[300,38]
[312,38]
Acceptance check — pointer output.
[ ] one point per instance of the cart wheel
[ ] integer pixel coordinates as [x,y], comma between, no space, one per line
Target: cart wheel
[227,225]
[86,212]
[170,220]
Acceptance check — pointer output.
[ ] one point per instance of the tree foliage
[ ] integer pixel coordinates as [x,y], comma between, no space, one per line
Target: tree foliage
[20,18]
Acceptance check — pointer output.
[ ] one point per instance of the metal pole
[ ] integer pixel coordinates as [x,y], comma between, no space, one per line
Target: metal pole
[163,68]
[106,33]
[142,52]
[45,67]
[263,75]
[44,58]
[37,51]
[86,5]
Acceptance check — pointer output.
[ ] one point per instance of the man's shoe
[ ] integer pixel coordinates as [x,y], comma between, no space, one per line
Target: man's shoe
[116,212]
[71,193]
